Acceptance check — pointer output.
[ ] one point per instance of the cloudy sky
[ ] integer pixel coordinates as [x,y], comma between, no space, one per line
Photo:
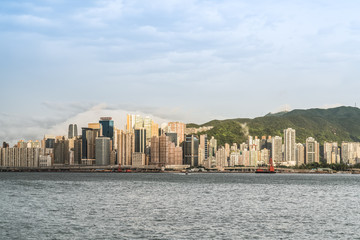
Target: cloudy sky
[188,60]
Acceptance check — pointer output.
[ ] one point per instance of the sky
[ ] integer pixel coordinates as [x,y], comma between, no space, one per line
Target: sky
[68,61]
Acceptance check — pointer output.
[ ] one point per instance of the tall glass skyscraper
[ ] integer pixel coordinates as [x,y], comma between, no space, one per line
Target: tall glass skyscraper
[140,140]
[72,131]
[107,125]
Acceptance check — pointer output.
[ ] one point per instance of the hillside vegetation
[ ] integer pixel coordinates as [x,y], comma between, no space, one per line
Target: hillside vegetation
[335,124]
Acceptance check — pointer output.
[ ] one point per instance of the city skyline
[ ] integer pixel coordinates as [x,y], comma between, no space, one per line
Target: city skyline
[175,60]
[102,144]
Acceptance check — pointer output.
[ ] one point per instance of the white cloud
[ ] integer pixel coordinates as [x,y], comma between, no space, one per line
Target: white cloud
[27,20]
[98,15]
[17,127]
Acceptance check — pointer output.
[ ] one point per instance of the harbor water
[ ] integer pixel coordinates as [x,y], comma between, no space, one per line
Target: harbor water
[179,206]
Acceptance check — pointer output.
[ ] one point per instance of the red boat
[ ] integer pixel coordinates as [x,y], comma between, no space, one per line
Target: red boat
[270,169]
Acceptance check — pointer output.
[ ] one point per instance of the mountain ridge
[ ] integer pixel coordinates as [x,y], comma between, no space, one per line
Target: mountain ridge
[332,124]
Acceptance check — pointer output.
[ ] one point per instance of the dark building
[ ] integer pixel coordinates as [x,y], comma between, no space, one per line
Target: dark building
[5,145]
[269,145]
[191,150]
[107,125]
[262,144]
[71,131]
[50,143]
[88,142]
[77,150]
[61,152]
[172,137]
[140,140]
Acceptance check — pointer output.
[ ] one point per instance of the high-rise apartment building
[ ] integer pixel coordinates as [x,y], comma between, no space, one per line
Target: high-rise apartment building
[221,161]
[130,122]
[179,128]
[264,156]
[299,154]
[61,152]
[203,149]
[164,152]
[148,128]
[350,152]
[139,122]
[126,147]
[289,146]
[155,151]
[164,144]
[277,156]
[331,152]
[19,157]
[154,129]
[254,156]
[212,147]
[77,151]
[312,151]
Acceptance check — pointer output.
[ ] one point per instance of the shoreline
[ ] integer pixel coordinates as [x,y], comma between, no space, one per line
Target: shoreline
[153,169]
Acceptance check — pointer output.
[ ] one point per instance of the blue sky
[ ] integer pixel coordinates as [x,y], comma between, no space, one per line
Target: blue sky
[184,60]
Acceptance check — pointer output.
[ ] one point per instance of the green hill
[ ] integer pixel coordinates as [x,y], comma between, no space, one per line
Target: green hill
[335,124]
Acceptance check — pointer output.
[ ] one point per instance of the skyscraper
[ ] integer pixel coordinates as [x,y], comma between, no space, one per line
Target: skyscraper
[126,147]
[191,150]
[140,140]
[107,125]
[61,152]
[72,131]
[89,136]
[203,149]
[102,151]
[77,150]
[139,122]
[130,122]
[277,150]
[155,151]
[154,130]
[212,147]
[164,143]
[148,128]
[289,146]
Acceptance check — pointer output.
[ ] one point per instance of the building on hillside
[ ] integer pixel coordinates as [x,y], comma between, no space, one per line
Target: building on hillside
[289,146]
[312,151]
[277,155]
